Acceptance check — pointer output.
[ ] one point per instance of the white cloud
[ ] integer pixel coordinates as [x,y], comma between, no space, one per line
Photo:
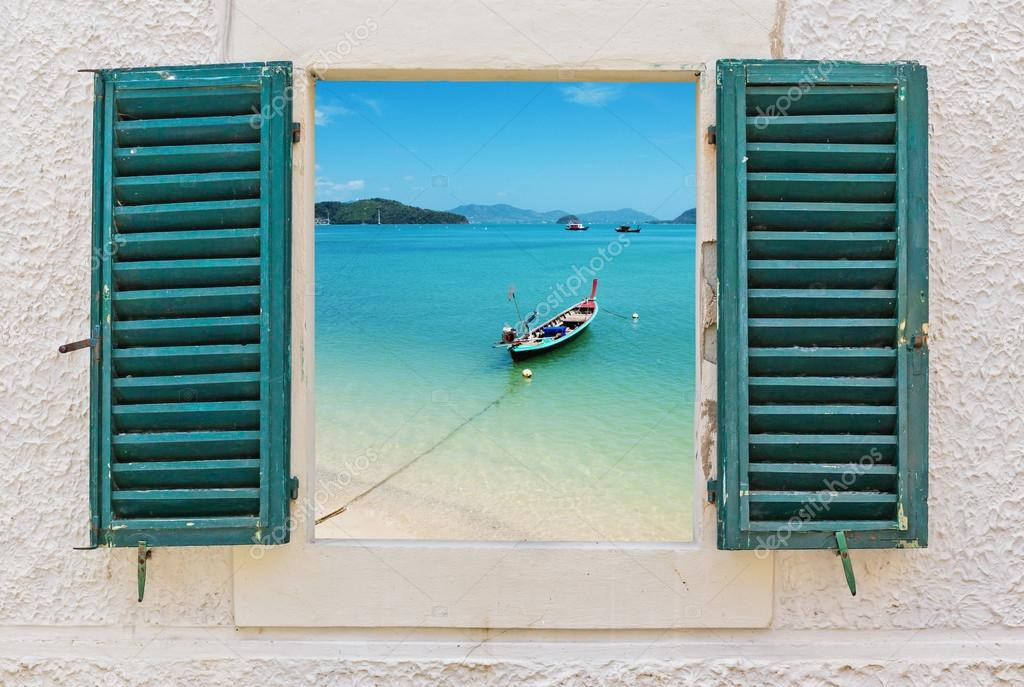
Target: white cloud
[370,103]
[409,178]
[326,113]
[591,94]
[325,186]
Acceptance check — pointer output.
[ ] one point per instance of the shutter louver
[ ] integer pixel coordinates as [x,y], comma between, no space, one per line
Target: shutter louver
[823,285]
[191,298]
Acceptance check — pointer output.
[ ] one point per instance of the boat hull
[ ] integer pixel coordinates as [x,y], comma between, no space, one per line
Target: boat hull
[524,351]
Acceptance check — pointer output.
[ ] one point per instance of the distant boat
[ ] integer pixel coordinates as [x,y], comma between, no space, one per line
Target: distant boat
[321,220]
[576,226]
[556,332]
[626,229]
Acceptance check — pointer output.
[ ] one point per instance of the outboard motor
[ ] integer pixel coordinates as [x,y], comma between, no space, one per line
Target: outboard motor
[508,334]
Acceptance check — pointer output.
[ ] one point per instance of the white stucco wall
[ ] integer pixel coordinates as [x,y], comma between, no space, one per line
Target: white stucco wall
[950,614]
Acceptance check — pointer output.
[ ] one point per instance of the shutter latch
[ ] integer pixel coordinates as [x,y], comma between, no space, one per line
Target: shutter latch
[712,135]
[93,342]
[145,553]
[844,553]
[919,341]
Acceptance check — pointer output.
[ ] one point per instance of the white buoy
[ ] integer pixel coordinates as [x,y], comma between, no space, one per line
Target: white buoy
[527,373]
[636,316]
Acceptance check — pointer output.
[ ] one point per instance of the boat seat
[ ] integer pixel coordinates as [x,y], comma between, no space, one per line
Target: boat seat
[575,318]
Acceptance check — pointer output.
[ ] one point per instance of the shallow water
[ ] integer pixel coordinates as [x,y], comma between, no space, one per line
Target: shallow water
[598,445]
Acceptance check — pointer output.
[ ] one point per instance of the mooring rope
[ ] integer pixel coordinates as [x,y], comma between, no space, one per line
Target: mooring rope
[446,437]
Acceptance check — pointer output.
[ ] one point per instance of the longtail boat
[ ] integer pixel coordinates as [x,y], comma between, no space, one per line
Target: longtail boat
[556,332]
[626,229]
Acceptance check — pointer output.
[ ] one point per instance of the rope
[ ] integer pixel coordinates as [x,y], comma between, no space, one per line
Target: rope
[446,437]
[615,314]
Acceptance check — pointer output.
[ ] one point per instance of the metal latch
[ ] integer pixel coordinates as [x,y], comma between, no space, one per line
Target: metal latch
[844,553]
[712,490]
[712,135]
[293,488]
[919,341]
[92,342]
[145,553]
[296,132]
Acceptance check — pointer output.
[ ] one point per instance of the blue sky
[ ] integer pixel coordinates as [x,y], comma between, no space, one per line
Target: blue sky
[576,147]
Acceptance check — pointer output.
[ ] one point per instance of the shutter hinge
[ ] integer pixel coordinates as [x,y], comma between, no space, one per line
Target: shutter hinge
[296,132]
[712,137]
[293,488]
[844,553]
[712,490]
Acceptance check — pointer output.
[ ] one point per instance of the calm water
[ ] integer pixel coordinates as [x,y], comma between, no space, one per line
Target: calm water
[596,446]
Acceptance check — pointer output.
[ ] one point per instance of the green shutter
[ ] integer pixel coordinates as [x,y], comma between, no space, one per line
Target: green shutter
[191,292]
[823,310]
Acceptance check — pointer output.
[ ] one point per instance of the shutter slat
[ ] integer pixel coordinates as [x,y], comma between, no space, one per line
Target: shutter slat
[839,505]
[179,360]
[821,157]
[803,187]
[821,274]
[842,390]
[821,332]
[820,448]
[187,159]
[187,474]
[167,417]
[167,503]
[163,103]
[822,216]
[854,128]
[167,274]
[188,331]
[845,99]
[171,245]
[815,476]
[856,362]
[810,245]
[821,302]
[199,302]
[228,386]
[188,130]
[822,419]
[186,445]
[220,214]
[183,188]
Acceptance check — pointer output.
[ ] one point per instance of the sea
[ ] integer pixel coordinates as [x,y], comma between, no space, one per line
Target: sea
[426,430]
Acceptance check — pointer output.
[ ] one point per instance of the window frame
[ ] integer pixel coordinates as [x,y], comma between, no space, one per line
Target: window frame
[570,585]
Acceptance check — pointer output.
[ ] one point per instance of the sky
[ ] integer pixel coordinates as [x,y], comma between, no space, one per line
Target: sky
[576,147]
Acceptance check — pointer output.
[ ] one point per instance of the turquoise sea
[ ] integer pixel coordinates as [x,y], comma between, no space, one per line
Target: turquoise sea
[412,395]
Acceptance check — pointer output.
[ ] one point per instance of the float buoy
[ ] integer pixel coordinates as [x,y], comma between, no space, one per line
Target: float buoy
[527,373]
[636,316]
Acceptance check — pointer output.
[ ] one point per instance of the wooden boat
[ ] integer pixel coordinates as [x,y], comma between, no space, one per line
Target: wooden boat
[576,226]
[556,332]
[626,229]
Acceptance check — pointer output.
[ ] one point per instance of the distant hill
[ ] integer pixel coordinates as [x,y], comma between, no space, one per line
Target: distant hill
[565,219]
[688,217]
[391,212]
[509,214]
[502,213]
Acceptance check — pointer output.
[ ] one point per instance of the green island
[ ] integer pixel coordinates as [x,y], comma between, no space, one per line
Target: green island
[372,210]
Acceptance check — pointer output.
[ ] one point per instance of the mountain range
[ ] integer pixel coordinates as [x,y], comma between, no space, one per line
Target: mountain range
[502,213]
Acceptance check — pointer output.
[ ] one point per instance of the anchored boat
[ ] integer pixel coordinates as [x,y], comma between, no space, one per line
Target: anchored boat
[576,226]
[626,229]
[556,332]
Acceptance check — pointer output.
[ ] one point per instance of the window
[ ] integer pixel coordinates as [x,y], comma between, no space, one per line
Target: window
[425,429]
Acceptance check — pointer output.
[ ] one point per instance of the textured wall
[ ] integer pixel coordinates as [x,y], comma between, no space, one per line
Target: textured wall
[971,578]
[971,575]
[45,185]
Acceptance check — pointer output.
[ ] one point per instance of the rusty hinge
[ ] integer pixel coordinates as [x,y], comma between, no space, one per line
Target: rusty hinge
[296,132]
[919,341]
[712,490]
[712,136]
[293,488]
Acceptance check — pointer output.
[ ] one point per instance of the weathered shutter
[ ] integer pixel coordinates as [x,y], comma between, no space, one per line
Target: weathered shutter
[823,302]
[190,376]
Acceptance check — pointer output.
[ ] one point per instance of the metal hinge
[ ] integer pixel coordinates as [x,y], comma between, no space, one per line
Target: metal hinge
[92,342]
[296,132]
[712,136]
[712,490]
[293,488]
